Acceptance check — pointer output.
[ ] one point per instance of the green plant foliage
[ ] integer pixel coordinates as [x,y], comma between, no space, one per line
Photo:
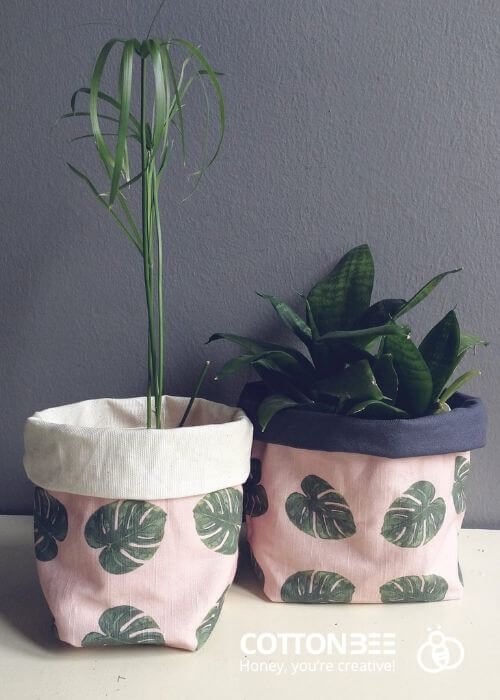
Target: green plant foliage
[358,360]
[159,76]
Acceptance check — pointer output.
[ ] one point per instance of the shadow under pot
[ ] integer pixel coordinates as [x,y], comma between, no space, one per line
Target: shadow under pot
[136,530]
[348,510]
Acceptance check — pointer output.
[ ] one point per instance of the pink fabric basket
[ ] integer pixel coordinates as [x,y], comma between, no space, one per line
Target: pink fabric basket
[328,525]
[134,568]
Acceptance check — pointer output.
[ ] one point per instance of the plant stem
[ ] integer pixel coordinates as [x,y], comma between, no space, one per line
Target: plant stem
[146,245]
[159,272]
[195,393]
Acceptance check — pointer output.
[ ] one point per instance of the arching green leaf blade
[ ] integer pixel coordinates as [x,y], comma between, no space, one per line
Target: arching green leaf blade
[414,377]
[423,292]
[439,349]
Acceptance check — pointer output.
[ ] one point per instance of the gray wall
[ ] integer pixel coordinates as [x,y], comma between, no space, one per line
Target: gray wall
[348,121]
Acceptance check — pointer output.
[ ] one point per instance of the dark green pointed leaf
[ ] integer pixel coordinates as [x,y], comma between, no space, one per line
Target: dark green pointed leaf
[344,294]
[271,406]
[236,364]
[50,524]
[414,518]
[354,382]
[128,533]
[279,381]
[462,468]
[380,313]
[320,511]
[415,381]
[439,349]
[455,386]
[258,347]
[124,624]
[377,409]
[317,587]
[217,517]
[210,620]
[290,318]
[414,589]
[468,341]
[424,292]
[367,335]
[386,377]
[254,494]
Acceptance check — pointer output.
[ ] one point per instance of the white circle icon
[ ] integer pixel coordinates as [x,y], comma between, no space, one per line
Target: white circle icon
[440,653]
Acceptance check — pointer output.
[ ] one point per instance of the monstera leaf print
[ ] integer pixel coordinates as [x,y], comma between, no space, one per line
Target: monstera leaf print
[415,517]
[124,625]
[207,626]
[414,589]
[217,517]
[128,532]
[462,468]
[254,494]
[320,511]
[317,587]
[50,523]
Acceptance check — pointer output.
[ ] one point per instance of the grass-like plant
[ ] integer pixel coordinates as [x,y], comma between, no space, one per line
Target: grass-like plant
[360,361]
[167,70]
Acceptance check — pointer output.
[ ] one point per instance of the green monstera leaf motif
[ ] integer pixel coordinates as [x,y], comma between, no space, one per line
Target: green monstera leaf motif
[414,589]
[320,511]
[124,624]
[415,517]
[254,494]
[209,621]
[317,587]
[50,524]
[462,468]
[217,517]
[128,532]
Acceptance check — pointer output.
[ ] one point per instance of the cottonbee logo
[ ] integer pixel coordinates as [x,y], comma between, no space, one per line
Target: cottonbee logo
[439,652]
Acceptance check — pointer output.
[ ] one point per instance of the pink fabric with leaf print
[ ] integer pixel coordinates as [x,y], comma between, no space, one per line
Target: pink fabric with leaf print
[329,527]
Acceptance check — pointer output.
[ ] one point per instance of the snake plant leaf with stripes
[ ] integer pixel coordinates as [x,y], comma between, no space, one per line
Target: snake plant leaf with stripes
[358,359]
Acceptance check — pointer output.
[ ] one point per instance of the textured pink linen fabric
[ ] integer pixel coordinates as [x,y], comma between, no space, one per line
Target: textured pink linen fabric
[173,597]
[296,533]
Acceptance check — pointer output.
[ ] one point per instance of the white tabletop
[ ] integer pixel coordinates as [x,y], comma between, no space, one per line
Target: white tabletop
[34,666]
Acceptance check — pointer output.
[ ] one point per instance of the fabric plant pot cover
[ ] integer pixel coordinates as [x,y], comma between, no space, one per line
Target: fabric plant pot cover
[348,510]
[136,530]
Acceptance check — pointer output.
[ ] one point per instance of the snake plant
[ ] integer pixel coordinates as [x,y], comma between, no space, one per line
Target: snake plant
[166,72]
[359,361]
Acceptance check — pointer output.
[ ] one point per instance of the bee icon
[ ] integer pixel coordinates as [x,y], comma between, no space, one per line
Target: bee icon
[440,652]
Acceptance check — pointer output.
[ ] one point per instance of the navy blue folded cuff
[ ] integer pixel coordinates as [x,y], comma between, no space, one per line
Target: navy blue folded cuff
[460,430]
